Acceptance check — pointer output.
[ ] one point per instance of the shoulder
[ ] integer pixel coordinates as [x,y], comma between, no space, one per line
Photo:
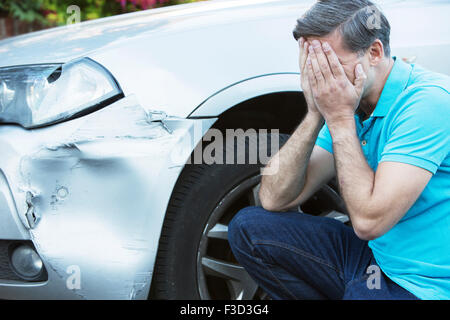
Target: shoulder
[427,96]
[426,79]
[424,100]
[421,110]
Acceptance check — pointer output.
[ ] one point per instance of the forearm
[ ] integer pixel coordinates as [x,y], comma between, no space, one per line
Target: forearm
[289,164]
[356,178]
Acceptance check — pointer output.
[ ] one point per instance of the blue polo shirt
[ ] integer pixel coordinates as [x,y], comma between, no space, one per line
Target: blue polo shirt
[411,124]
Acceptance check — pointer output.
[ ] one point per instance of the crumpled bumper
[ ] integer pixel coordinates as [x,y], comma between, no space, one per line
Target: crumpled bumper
[91,195]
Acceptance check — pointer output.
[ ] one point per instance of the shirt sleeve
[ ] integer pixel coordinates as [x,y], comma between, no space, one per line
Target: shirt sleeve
[324,139]
[420,133]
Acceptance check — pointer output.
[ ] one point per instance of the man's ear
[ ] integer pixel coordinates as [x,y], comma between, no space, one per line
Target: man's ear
[376,52]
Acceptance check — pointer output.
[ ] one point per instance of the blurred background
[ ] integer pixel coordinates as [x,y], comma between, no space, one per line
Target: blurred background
[23,16]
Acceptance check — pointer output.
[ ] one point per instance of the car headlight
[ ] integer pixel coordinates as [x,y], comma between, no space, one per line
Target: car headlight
[37,95]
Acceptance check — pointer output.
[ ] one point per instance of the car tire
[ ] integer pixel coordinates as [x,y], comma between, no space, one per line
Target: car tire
[200,189]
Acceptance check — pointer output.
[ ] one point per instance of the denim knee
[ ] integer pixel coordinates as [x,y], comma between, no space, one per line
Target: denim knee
[240,226]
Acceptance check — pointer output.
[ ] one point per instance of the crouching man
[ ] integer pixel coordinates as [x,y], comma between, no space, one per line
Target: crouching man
[383,127]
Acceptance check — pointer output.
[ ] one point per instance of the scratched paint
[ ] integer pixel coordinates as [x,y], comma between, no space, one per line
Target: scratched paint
[100,191]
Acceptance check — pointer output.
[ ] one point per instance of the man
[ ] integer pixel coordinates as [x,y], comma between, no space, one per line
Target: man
[383,127]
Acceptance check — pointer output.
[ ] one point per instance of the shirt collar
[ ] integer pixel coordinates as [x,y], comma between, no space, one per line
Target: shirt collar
[395,84]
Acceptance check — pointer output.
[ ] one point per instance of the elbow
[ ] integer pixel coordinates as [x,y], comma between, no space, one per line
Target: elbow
[269,203]
[366,229]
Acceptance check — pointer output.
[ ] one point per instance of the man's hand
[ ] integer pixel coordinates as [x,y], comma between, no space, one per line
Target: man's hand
[335,96]
[303,45]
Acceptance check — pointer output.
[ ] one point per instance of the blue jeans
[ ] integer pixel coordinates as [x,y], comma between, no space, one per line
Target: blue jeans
[294,255]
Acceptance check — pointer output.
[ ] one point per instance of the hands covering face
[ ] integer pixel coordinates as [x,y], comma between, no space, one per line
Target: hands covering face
[328,87]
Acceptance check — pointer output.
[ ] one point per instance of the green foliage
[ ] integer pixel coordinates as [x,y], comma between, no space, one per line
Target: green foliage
[54,12]
[25,10]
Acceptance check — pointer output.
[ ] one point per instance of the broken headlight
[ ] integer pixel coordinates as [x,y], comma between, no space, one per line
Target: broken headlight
[42,94]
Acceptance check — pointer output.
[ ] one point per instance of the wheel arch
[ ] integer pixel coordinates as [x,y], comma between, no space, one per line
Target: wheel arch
[272,101]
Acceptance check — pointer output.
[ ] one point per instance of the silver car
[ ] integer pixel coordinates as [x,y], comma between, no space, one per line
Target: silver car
[101,193]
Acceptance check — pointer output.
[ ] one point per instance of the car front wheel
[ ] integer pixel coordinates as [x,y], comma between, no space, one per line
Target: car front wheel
[194,258]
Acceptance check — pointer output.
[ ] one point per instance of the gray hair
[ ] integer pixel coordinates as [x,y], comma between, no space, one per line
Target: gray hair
[360,23]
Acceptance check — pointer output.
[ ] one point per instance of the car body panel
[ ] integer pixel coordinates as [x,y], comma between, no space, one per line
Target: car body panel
[100,187]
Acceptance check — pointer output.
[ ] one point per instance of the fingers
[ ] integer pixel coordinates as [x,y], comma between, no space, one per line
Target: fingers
[336,66]
[301,41]
[303,53]
[311,77]
[322,60]
[312,60]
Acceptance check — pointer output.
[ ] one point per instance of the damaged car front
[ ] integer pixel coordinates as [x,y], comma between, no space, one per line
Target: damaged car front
[84,173]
